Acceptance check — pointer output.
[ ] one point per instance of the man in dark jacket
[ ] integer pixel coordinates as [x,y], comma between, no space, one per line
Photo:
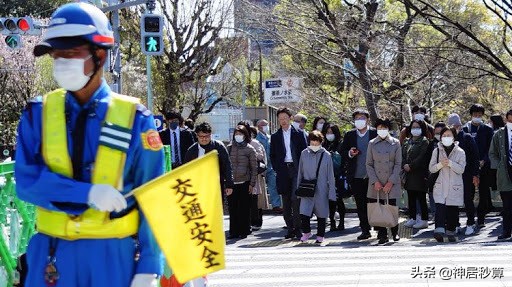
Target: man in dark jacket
[482,134]
[471,172]
[204,145]
[286,146]
[353,149]
[177,137]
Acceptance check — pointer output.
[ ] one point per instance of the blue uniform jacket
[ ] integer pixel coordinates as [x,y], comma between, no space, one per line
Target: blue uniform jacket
[36,184]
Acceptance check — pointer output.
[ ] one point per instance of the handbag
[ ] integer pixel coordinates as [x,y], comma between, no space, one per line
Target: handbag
[307,187]
[432,177]
[382,215]
[262,167]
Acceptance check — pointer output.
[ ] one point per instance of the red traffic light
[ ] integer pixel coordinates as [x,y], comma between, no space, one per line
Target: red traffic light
[23,24]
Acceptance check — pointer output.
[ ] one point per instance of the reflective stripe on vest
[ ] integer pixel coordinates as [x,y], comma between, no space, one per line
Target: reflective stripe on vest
[109,165]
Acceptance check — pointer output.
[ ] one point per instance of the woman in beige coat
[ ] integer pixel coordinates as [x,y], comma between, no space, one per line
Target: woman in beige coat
[383,165]
[449,160]
[259,199]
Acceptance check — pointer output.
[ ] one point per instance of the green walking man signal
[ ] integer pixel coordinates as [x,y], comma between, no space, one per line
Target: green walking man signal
[151,31]
[13,41]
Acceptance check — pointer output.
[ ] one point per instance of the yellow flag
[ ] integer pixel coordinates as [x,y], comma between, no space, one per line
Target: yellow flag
[184,210]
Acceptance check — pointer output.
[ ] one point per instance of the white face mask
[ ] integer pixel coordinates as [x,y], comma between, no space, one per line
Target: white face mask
[476,121]
[319,127]
[239,138]
[296,125]
[509,126]
[419,117]
[360,124]
[330,137]
[416,132]
[438,137]
[69,73]
[383,133]
[315,148]
[265,129]
[447,141]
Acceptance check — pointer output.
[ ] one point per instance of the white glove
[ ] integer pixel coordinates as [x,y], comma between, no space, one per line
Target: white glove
[144,280]
[104,197]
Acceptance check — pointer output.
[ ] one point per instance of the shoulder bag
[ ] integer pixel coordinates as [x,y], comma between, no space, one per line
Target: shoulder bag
[307,187]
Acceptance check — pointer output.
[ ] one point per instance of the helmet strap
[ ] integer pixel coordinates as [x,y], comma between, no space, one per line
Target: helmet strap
[95,59]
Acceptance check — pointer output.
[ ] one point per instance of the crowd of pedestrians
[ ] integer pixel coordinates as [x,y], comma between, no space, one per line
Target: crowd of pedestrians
[440,167]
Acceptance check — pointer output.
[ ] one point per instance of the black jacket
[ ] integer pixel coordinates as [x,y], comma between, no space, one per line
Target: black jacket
[468,144]
[483,140]
[350,141]
[226,171]
[186,141]
[278,150]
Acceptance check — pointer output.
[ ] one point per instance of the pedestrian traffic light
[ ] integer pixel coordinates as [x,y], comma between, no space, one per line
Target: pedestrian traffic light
[19,25]
[151,31]
[13,41]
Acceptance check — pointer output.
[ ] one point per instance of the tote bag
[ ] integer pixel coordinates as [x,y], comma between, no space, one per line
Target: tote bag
[382,215]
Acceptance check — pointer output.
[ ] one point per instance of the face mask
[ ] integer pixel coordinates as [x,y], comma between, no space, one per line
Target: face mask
[173,125]
[319,127]
[416,132]
[296,125]
[447,141]
[476,121]
[315,148]
[419,117]
[438,137]
[329,137]
[383,133]
[69,73]
[265,129]
[239,139]
[509,126]
[360,124]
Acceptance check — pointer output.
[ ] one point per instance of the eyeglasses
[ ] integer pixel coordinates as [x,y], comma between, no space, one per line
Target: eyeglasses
[204,137]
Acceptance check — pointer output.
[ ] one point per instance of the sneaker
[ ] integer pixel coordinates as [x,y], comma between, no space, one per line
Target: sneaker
[504,237]
[255,228]
[305,237]
[319,239]
[421,224]
[451,238]
[383,240]
[410,223]
[470,230]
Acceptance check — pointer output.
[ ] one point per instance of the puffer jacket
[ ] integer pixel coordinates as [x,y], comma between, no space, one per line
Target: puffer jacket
[449,188]
[244,163]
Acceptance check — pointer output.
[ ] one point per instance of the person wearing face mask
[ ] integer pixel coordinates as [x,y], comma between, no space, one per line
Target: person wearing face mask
[496,123]
[313,158]
[206,144]
[84,221]
[383,163]
[270,176]
[332,144]
[483,136]
[420,114]
[178,138]
[500,155]
[449,160]
[245,172]
[299,123]
[414,163]
[470,176]
[353,150]
[318,123]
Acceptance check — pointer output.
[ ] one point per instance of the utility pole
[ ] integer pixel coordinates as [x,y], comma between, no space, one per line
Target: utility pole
[115,53]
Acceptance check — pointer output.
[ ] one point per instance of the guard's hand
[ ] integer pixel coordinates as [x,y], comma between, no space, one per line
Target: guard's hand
[144,280]
[228,191]
[104,197]
[387,188]
[251,188]
[407,168]
[377,186]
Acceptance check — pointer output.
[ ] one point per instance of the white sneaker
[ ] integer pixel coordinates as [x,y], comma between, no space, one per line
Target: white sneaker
[410,223]
[470,230]
[421,224]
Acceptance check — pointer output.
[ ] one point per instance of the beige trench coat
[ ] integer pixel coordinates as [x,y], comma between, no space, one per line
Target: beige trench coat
[383,164]
[261,187]
[449,188]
